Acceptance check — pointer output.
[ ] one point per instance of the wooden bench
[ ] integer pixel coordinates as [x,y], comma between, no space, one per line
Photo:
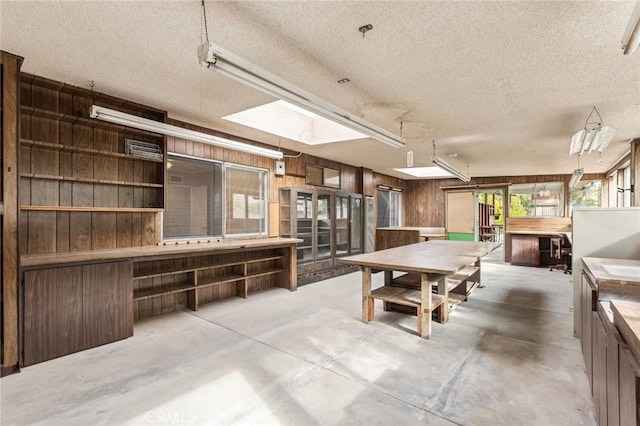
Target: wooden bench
[411,298]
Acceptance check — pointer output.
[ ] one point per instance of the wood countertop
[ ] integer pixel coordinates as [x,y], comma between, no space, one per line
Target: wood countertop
[161,251]
[626,317]
[439,257]
[541,232]
[614,278]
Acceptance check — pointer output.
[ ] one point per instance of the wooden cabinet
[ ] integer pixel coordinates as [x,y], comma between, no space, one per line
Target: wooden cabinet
[330,225]
[588,298]
[69,309]
[525,250]
[614,372]
[599,368]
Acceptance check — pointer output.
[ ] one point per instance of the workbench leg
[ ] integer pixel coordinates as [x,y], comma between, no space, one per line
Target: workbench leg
[444,291]
[388,280]
[366,292]
[425,304]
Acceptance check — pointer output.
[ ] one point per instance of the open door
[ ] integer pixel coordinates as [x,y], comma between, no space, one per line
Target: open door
[461,216]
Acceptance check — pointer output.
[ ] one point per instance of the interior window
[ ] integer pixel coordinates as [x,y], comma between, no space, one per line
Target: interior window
[193,207]
[246,195]
[587,193]
[389,207]
[537,200]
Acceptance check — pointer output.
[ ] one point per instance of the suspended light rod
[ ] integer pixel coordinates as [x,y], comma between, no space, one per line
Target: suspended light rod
[230,65]
[140,123]
[449,168]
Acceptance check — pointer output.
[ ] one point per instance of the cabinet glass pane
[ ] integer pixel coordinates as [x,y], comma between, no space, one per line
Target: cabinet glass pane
[285,213]
[342,225]
[304,224]
[356,225]
[323,241]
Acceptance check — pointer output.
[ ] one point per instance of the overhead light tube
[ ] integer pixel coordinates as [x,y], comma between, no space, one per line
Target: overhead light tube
[230,65]
[140,123]
[575,177]
[631,36]
[447,167]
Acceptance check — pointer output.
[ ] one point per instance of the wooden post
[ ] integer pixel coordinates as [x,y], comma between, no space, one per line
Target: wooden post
[10,257]
[425,304]
[444,291]
[366,292]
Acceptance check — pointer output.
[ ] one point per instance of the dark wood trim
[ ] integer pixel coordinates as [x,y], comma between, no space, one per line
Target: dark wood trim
[10,160]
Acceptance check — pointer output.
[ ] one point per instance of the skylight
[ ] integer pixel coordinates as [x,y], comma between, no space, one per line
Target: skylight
[432,172]
[292,122]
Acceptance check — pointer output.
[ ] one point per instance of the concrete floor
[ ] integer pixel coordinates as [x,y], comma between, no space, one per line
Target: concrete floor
[506,357]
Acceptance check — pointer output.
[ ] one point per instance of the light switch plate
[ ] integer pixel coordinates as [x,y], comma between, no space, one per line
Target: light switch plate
[279,168]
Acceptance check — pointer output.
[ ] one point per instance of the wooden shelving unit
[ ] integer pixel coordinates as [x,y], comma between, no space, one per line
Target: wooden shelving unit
[79,188]
[189,282]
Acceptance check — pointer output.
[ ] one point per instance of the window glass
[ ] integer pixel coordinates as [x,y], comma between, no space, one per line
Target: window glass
[586,194]
[193,207]
[389,208]
[536,200]
[246,195]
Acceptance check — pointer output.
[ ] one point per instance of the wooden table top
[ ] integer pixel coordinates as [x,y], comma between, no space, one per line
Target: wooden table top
[440,257]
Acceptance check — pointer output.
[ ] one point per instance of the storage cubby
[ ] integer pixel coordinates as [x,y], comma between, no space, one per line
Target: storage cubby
[175,283]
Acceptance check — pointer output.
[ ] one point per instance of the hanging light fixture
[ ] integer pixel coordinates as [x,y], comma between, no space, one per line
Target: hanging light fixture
[136,122]
[233,66]
[594,136]
[447,167]
[631,36]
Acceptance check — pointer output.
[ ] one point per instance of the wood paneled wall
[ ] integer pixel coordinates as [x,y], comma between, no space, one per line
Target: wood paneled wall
[424,200]
[78,191]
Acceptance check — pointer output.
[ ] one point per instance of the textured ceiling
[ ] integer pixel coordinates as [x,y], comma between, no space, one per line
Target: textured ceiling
[503,84]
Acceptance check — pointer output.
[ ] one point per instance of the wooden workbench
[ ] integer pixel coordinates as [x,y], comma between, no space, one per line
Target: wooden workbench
[433,260]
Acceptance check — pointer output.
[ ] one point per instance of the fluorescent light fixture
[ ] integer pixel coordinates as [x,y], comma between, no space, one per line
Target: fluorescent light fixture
[137,122]
[631,36]
[237,68]
[575,177]
[446,166]
[595,139]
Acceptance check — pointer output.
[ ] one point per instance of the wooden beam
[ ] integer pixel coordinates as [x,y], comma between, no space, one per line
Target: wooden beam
[10,258]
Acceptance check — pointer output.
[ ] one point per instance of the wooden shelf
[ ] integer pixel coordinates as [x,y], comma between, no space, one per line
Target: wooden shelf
[154,292]
[265,259]
[84,121]
[82,150]
[89,180]
[91,209]
[220,280]
[270,271]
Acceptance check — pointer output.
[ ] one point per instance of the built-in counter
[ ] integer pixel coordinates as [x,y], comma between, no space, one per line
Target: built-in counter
[610,317]
[76,301]
[531,248]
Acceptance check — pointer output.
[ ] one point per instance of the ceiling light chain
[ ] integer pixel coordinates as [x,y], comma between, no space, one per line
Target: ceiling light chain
[204,18]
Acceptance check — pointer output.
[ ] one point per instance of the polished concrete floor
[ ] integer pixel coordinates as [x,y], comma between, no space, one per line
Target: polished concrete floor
[506,357]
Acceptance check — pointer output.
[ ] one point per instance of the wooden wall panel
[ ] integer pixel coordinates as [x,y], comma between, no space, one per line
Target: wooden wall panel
[80,232]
